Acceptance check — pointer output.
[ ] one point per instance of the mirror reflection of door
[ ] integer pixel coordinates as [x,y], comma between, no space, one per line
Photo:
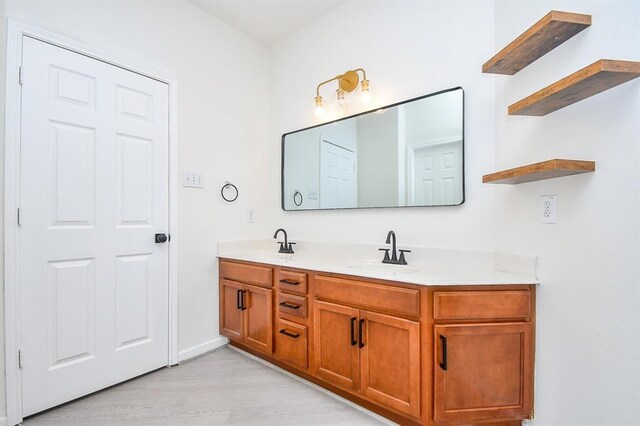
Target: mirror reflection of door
[435,173]
[405,154]
[337,176]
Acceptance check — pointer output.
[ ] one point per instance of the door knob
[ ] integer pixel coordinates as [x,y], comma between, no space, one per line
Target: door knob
[161,238]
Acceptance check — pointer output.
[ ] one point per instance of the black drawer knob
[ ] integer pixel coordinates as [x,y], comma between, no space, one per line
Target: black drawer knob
[161,238]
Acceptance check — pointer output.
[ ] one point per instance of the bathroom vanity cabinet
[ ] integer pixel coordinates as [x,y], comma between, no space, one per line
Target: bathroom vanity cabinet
[246,311]
[417,354]
[365,343]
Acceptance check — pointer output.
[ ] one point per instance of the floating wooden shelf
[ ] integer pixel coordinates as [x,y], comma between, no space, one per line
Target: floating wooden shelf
[545,35]
[591,80]
[540,171]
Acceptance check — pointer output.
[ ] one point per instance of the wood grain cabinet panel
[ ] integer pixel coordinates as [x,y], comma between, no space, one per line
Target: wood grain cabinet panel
[390,358]
[246,314]
[258,332]
[336,355]
[250,274]
[386,298]
[483,371]
[231,316]
[292,282]
[292,343]
[454,305]
[292,305]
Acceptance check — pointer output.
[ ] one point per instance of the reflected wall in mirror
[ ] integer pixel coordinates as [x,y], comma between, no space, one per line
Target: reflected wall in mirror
[407,154]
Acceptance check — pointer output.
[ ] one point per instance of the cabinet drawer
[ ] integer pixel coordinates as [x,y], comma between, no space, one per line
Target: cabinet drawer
[252,274]
[397,300]
[293,305]
[292,343]
[503,304]
[292,282]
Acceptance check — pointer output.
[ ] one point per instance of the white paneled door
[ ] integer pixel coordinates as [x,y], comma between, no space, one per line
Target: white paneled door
[337,177]
[94,192]
[437,171]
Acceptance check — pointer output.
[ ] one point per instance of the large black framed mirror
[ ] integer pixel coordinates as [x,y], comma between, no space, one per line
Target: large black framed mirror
[408,154]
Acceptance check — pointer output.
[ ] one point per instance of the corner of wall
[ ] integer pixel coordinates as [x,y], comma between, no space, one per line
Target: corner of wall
[3,51]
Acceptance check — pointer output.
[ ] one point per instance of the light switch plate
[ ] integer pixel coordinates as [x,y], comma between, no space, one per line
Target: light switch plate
[192,179]
[549,209]
[312,194]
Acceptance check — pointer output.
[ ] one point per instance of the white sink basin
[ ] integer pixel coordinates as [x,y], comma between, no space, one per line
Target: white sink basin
[377,267]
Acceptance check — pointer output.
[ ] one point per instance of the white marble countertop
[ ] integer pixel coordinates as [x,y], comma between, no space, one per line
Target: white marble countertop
[426,266]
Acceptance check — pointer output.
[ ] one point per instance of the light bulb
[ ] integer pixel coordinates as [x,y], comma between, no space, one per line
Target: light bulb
[365,94]
[320,110]
[342,101]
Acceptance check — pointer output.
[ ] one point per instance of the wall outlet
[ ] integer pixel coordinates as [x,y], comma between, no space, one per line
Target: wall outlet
[251,216]
[191,179]
[549,209]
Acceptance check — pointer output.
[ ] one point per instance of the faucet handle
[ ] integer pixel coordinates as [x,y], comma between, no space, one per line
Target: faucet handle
[386,255]
[282,249]
[291,247]
[402,260]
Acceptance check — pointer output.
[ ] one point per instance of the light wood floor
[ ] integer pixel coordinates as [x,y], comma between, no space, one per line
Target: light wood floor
[224,387]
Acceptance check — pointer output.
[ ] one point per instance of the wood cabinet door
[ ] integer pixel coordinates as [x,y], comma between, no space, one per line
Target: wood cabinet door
[483,371]
[291,343]
[335,346]
[390,359]
[258,320]
[231,316]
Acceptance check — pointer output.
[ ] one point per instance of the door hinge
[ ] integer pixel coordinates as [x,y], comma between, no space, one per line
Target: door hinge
[21,75]
[19,218]
[20,362]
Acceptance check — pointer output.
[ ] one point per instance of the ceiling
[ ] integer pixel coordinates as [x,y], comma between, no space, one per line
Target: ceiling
[268,21]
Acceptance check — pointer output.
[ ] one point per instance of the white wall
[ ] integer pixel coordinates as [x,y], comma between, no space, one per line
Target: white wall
[588,332]
[378,159]
[302,169]
[408,48]
[222,125]
[343,133]
[2,109]
[434,119]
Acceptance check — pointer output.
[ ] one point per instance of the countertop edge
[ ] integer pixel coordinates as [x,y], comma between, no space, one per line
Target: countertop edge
[499,277]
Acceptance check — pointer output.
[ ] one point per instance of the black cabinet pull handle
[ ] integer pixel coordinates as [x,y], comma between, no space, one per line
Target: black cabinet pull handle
[360,342]
[290,282]
[243,307]
[443,364]
[353,331]
[238,302]
[289,305]
[286,333]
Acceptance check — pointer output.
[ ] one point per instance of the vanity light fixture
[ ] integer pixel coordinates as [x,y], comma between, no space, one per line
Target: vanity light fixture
[347,83]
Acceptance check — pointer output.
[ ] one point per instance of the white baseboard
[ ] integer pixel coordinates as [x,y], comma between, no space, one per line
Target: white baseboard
[200,349]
